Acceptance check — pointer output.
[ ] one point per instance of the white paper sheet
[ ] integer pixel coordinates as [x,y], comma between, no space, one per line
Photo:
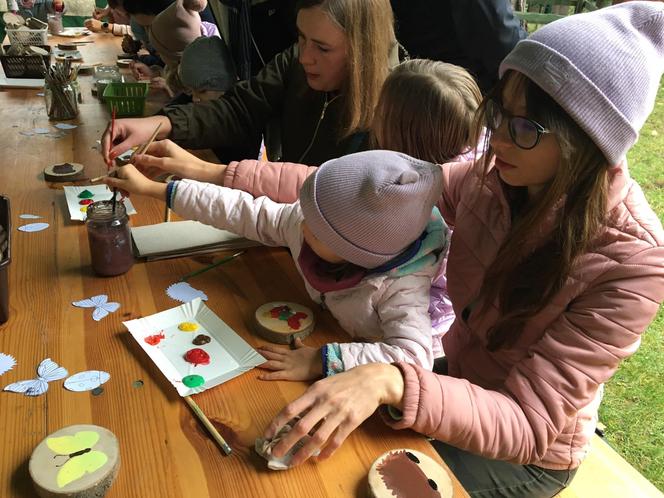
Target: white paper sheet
[176,238]
[100,193]
[230,355]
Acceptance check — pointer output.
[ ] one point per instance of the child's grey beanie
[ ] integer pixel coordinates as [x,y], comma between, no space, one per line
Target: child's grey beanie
[370,206]
[603,68]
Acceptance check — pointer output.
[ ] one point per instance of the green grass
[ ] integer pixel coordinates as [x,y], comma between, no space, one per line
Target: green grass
[633,406]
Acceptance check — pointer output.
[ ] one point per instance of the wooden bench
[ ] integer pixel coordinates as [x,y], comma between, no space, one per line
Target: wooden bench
[605,474]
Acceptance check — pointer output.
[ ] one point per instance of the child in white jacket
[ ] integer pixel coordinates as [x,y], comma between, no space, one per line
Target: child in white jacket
[364,235]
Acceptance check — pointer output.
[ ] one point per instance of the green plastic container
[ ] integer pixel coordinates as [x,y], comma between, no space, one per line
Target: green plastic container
[128,99]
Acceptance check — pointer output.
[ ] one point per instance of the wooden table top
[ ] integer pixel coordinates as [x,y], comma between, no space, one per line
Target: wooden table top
[165,452]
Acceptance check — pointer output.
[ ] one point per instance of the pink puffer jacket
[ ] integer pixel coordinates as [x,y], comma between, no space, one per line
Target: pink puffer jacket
[535,402]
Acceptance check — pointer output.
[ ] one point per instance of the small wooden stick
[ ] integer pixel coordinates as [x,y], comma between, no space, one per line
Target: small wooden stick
[208,425]
[147,144]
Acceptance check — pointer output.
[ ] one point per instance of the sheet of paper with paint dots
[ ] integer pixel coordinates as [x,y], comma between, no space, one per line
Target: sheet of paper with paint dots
[79,198]
[193,347]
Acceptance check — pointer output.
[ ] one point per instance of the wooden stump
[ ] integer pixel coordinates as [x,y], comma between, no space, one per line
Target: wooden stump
[408,473]
[64,172]
[282,322]
[79,461]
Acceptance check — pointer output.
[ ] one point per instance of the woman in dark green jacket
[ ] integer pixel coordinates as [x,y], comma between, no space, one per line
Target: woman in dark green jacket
[312,102]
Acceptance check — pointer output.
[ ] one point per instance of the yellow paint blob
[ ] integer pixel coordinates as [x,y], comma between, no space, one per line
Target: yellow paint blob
[188,326]
[84,209]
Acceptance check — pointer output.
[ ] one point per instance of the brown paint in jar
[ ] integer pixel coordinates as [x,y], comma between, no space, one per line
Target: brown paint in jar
[109,238]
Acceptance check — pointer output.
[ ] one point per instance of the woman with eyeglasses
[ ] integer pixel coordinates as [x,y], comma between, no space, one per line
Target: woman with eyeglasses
[555,269]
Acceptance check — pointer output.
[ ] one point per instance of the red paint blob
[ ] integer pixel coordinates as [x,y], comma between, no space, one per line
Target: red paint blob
[276,311]
[197,356]
[294,321]
[153,340]
[85,202]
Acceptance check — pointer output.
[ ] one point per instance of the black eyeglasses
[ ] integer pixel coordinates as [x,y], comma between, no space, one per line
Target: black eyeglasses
[524,132]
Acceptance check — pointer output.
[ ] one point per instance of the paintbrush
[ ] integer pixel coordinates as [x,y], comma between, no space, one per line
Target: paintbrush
[209,267]
[208,425]
[140,150]
[110,146]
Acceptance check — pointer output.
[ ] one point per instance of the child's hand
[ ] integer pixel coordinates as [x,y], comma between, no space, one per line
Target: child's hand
[132,181]
[159,83]
[93,25]
[99,13]
[301,363]
[141,71]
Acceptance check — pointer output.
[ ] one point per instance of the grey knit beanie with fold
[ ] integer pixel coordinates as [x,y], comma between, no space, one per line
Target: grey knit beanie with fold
[371,206]
[603,68]
[207,64]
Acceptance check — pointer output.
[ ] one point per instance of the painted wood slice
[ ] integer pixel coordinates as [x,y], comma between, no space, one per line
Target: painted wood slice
[63,172]
[282,322]
[406,473]
[78,461]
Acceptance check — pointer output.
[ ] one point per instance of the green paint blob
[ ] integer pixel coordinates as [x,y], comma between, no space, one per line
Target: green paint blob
[86,194]
[193,380]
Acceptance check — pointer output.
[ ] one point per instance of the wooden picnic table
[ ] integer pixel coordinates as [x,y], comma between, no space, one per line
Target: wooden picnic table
[165,452]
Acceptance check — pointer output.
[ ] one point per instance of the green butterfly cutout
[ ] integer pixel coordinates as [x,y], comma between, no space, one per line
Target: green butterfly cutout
[81,458]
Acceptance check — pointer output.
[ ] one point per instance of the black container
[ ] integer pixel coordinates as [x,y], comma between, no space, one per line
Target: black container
[25,66]
[5,257]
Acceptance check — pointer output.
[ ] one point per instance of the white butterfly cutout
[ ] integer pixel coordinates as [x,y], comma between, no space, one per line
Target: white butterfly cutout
[100,304]
[47,371]
[7,362]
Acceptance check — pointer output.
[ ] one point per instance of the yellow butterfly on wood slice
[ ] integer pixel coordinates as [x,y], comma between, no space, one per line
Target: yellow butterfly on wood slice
[81,458]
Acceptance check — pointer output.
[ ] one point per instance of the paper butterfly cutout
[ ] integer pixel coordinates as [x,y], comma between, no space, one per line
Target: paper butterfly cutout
[7,362]
[184,292]
[47,371]
[86,381]
[100,304]
[81,458]
[29,216]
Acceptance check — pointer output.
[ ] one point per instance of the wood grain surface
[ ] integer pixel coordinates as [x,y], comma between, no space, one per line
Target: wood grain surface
[165,451]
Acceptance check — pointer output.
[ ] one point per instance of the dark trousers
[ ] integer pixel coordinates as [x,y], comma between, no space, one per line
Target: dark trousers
[486,478]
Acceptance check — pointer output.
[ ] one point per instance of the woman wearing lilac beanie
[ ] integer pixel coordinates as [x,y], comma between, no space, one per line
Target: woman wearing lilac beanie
[556,267]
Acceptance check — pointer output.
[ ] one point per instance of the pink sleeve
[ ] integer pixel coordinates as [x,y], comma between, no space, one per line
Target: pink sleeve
[279,182]
[454,177]
[579,351]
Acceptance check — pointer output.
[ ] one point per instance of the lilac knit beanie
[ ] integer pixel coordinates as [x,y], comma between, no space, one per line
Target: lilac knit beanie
[603,68]
[370,206]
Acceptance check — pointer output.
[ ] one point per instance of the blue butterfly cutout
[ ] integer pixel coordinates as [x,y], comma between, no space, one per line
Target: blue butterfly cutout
[100,304]
[47,371]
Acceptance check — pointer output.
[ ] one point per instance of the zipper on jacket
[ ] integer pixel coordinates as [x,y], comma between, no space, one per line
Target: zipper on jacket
[320,120]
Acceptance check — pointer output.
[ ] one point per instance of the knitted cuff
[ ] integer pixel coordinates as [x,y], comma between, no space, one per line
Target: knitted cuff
[171,189]
[332,362]
[119,29]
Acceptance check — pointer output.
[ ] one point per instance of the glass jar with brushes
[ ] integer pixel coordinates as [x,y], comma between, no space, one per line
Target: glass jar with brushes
[60,91]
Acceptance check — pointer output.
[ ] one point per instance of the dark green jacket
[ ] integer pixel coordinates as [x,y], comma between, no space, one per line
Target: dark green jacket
[301,127]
